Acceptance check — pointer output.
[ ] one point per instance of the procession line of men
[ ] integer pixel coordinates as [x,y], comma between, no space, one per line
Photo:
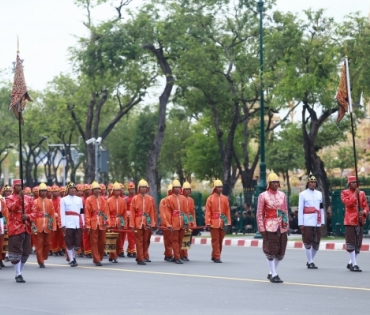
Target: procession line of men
[72,215]
[272,221]
[47,216]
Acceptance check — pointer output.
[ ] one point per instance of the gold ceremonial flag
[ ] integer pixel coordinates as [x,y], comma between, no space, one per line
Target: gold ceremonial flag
[344,93]
[19,91]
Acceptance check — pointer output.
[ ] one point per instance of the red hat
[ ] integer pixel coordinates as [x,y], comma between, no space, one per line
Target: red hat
[351,179]
[87,187]
[54,188]
[17,182]
[102,187]
[131,185]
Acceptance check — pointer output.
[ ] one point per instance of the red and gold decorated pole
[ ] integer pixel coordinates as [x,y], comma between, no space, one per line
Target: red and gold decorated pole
[17,105]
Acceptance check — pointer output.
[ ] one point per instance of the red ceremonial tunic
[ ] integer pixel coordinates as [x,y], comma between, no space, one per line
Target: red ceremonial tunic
[117,209]
[46,223]
[56,204]
[216,206]
[175,207]
[140,207]
[94,210]
[15,223]
[269,202]
[350,202]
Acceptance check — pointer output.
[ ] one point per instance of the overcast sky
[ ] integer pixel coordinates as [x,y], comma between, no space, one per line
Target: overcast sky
[47,28]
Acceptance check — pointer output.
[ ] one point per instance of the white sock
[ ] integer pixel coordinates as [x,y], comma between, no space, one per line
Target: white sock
[271,264]
[268,264]
[276,262]
[70,254]
[353,258]
[313,253]
[17,268]
[309,255]
[74,253]
[22,267]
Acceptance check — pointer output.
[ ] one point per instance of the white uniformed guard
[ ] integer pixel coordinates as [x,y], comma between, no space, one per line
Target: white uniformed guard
[310,218]
[71,209]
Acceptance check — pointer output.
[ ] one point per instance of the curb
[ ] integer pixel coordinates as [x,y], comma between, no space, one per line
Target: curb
[258,243]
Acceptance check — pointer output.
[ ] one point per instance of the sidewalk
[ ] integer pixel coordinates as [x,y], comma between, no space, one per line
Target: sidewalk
[248,241]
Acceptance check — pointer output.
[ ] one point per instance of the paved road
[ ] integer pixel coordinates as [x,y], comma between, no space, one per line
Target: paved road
[239,285]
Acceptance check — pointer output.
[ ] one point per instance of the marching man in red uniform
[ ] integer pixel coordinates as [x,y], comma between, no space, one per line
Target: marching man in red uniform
[186,191]
[272,221]
[19,228]
[45,225]
[57,240]
[131,249]
[142,221]
[217,219]
[356,209]
[166,232]
[117,217]
[96,220]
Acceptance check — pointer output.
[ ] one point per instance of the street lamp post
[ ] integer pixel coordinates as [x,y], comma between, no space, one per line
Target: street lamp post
[96,143]
[262,180]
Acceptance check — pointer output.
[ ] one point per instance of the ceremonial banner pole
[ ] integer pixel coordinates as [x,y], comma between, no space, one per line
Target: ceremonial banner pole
[345,105]
[350,109]
[17,105]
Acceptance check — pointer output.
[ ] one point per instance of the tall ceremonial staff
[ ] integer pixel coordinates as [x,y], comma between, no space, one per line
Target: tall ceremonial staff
[345,105]
[17,105]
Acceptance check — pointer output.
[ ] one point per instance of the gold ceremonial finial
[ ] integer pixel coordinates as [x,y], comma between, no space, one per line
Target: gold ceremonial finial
[17,44]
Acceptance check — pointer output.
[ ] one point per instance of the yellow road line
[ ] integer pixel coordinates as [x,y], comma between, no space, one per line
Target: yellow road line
[325,286]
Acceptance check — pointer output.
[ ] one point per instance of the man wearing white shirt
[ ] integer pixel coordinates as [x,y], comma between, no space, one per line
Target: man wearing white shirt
[71,221]
[310,218]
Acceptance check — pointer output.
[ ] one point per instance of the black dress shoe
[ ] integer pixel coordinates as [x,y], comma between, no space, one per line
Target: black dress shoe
[276,279]
[60,253]
[218,261]
[80,255]
[212,259]
[6,259]
[105,254]
[19,279]
[2,264]
[312,266]
[115,261]
[110,259]
[185,259]
[141,263]
[147,260]
[73,263]
[121,255]
[349,266]
[42,265]
[178,261]
[98,264]
[55,254]
[269,276]
[88,256]
[355,268]
[130,255]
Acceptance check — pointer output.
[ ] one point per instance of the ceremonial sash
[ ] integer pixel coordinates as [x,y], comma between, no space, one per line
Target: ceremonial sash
[139,214]
[311,210]
[215,215]
[274,214]
[75,214]
[175,213]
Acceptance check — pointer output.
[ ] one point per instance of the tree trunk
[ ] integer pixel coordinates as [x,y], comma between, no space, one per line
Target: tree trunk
[151,166]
